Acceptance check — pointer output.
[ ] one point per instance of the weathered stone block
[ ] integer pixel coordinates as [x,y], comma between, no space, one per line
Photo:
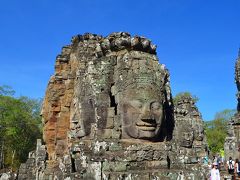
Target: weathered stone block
[157,164]
[144,155]
[116,134]
[115,146]
[114,166]
[111,112]
[105,133]
[130,156]
[109,124]
[130,175]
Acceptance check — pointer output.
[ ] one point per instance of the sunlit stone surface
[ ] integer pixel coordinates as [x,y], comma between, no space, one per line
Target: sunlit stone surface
[232,141]
[108,114]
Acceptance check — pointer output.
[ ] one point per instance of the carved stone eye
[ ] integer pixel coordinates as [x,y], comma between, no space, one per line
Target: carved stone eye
[155,105]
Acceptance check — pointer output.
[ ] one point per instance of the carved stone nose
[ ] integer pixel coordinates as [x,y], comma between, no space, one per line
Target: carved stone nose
[147,116]
[147,107]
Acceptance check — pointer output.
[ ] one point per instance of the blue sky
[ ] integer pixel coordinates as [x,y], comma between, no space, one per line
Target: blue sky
[198,40]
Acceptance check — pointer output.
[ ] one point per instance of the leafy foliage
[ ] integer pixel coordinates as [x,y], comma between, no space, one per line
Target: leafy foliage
[185,94]
[20,126]
[216,130]
[6,90]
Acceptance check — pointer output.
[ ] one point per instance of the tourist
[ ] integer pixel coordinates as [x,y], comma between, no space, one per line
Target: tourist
[230,166]
[237,168]
[214,159]
[215,174]
[205,160]
[210,166]
[219,162]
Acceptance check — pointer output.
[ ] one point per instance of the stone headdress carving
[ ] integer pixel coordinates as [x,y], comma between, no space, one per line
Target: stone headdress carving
[91,75]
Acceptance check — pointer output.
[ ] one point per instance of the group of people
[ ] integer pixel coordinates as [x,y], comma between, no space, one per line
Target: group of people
[232,167]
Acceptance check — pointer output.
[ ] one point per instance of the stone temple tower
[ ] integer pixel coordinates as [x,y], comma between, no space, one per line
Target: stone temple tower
[108,114]
[232,142]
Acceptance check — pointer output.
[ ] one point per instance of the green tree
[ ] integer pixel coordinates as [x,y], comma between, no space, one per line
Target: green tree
[216,130]
[6,91]
[20,126]
[185,94]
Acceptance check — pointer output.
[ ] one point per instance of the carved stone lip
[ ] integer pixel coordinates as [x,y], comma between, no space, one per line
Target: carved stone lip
[146,126]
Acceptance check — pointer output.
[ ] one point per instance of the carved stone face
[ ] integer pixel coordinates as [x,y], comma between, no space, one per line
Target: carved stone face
[186,138]
[142,113]
[198,133]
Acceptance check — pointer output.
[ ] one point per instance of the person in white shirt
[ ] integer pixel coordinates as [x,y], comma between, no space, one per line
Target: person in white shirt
[215,174]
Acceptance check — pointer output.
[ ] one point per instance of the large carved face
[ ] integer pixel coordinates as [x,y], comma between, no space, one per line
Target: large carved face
[186,137]
[142,113]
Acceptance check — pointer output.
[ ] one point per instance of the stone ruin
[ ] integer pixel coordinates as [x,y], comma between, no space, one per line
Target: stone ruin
[189,132]
[232,141]
[108,114]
